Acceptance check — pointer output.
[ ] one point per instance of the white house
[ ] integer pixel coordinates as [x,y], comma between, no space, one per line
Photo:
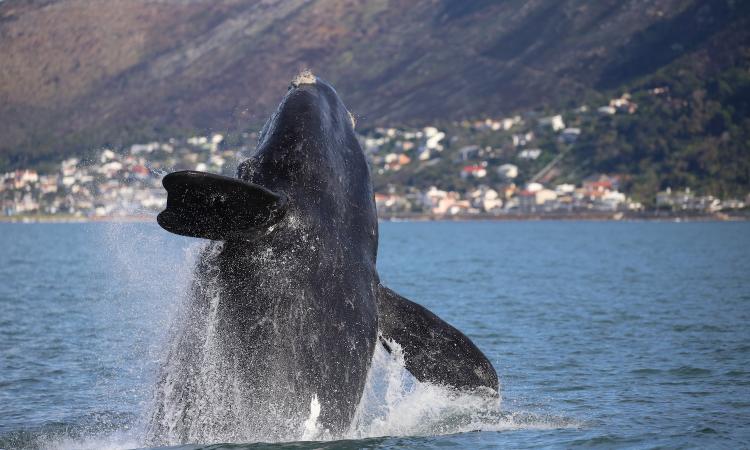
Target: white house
[534,187]
[555,122]
[508,171]
[530,153]
[564,189]
[543,196]
[570,135]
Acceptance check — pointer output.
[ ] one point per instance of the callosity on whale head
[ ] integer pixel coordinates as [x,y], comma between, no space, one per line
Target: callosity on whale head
[307,160]
[287,306]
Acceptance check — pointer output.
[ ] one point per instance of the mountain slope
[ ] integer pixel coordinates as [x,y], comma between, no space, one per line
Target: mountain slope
[76,74]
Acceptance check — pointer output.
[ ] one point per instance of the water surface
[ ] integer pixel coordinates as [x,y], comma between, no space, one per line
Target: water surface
[603,334]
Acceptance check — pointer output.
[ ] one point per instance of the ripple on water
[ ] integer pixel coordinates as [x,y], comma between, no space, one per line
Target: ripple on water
[689,372]
[646,371]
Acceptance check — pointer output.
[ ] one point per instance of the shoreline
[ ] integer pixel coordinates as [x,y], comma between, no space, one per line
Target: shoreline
[75,219]
[650,216]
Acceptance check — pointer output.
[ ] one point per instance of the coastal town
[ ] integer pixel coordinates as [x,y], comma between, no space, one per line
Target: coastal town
[505,167]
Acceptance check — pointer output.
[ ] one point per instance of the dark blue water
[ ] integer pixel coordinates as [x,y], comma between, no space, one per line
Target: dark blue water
[603,334]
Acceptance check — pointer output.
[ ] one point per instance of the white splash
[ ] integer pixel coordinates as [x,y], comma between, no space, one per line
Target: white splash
[311,428]
[115,441]
[397,404]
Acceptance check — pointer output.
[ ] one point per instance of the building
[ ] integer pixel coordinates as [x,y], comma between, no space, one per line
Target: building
[476,171]
[555,122]
[508,171]
[570,135]
[530,153]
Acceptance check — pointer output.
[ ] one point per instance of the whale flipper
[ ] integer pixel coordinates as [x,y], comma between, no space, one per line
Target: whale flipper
[434,351]
[215,207]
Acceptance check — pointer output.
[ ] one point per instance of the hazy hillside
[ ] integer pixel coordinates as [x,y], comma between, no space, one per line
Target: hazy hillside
[77,73]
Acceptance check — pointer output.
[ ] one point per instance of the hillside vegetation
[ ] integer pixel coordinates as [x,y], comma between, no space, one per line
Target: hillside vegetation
[75,75]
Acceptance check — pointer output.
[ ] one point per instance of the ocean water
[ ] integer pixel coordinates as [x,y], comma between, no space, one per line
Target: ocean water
[604,334]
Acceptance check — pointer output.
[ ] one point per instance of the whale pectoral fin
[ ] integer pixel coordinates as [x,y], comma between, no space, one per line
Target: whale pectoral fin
[434,351]
[215,207]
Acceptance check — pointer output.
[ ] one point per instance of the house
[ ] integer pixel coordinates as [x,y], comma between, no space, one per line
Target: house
[732,203]
[623,104]
[565,189]
[425,153]
[107,155]
[394,161]
[452,204]
[508,171]
[491,201]
[433,196]
[664,198]
[27,204]
[48,184]
[555,122]
[110,169]
[674,199]
[434,136]
[469,152]
[507,191]
[391,203]
[707,203]
[601,182]
[137,149]
[24,178]
[545,197]
[510,122]
[534,187]
[570,135]
[492,205]
[476,171]
[610,201]
[531,153]
[519,140]
[197,141]
[486,199]
[217,161]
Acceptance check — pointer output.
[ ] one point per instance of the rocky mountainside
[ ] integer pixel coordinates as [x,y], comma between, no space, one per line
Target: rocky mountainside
[77,73]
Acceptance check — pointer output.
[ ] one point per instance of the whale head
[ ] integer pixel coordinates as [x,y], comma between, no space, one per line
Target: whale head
[308,153]
[308,149]
[308,166]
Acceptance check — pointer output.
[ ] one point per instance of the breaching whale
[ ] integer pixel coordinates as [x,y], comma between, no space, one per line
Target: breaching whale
[286,307]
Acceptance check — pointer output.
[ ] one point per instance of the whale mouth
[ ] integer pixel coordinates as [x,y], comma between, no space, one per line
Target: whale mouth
[216,207]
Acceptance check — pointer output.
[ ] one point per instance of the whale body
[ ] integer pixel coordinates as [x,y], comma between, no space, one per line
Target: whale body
[286,306]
